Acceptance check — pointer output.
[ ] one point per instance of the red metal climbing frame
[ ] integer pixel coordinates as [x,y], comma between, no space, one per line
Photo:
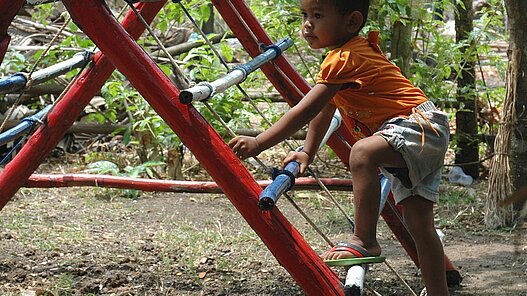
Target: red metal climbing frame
[119,49]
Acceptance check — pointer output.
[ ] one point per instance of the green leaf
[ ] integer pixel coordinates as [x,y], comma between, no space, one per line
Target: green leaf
[103,167]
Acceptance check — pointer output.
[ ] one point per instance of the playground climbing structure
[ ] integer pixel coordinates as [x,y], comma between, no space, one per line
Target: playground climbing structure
[119,49]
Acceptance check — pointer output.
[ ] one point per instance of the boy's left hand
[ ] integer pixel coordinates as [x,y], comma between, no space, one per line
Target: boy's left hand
[244,146]
[301,157]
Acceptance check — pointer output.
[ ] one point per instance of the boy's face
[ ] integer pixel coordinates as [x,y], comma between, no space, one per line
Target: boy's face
[323,25]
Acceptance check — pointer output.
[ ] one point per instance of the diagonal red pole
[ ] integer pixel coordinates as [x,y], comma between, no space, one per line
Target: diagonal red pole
[8,11]
[282,239]
[250,33]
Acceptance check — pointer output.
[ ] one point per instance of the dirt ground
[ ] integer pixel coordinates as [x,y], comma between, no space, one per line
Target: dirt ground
[92,241]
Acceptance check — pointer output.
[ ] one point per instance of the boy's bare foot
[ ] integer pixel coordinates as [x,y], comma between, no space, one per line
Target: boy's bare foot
[351,250]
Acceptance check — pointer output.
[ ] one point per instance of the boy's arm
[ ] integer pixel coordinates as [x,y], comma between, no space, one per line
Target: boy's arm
[309,107]
[317,130]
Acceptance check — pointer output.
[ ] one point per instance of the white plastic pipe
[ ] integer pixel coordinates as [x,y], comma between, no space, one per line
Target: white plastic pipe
[354,284]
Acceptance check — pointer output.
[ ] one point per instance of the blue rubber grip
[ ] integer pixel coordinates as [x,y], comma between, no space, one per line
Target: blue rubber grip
[13,83]
[283,181]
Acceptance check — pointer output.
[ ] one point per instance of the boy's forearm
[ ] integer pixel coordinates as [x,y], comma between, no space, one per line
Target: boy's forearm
[286,126]
[317,130]
[309,107]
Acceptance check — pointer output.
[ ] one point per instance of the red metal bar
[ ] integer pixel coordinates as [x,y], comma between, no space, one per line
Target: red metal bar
[4,44]
[88,84]
[392,212]
[284,241]
[108,181]
[8,11]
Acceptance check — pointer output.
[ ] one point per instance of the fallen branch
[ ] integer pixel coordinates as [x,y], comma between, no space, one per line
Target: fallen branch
[42,47]
[22,23]
[86,128]
[187,46]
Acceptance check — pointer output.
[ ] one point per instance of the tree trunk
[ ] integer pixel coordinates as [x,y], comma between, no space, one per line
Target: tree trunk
[466,125]
[208,25]
[517,10]
[508,171]
[401,45]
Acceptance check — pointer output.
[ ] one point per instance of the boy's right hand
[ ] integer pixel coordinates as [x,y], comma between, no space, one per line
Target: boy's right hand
[301,157]
[244,146]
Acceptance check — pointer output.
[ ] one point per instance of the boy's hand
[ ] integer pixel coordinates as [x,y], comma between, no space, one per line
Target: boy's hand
[301,157]
[245,147]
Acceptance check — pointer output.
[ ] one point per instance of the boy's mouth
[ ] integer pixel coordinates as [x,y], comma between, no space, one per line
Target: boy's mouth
[309,37]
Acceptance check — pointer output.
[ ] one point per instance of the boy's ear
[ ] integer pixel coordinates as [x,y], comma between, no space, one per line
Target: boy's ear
[355,21]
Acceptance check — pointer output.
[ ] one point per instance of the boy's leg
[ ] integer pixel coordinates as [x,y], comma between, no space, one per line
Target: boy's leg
[419,216]
[366,156]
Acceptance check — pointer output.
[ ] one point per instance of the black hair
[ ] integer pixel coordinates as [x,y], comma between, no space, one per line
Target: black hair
[361,6]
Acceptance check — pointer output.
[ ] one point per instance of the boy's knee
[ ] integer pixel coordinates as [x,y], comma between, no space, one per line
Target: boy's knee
[360,154]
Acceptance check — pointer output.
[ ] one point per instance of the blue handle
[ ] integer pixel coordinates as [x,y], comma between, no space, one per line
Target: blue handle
[13,83]
[282,182]
[23,127]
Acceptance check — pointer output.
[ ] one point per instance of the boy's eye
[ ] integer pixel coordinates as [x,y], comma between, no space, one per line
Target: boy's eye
[318,15]
[304,15]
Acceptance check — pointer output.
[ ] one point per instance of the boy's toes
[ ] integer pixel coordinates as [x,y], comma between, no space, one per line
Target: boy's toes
[345,251]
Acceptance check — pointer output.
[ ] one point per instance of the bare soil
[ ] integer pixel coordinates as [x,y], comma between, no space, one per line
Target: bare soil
[92,241]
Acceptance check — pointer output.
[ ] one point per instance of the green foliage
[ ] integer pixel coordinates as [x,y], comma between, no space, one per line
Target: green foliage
[463,204]
[13,62]
[110,168]
[103,167]
[456,196]
[171,13]
[42,12]
[204,66]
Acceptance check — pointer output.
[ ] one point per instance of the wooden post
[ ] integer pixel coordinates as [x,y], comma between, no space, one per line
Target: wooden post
[466,124]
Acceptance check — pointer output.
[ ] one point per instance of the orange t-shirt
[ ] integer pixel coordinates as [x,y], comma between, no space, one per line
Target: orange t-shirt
[377,89]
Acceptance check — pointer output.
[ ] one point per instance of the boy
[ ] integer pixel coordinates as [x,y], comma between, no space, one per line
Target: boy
[409,141]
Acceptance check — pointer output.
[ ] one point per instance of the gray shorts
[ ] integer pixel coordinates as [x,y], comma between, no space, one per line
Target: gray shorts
[424,161]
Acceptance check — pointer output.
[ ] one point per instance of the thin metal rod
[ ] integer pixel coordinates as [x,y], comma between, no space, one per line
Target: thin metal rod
[18,81]
[318,230]
[78,60]
[224,63]
[176,68]
[400,278]
[23,127]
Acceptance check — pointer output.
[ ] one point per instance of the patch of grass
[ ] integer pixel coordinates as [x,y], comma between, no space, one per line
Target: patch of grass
[459,204]
[457,196]
[64,285]
[45,245]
